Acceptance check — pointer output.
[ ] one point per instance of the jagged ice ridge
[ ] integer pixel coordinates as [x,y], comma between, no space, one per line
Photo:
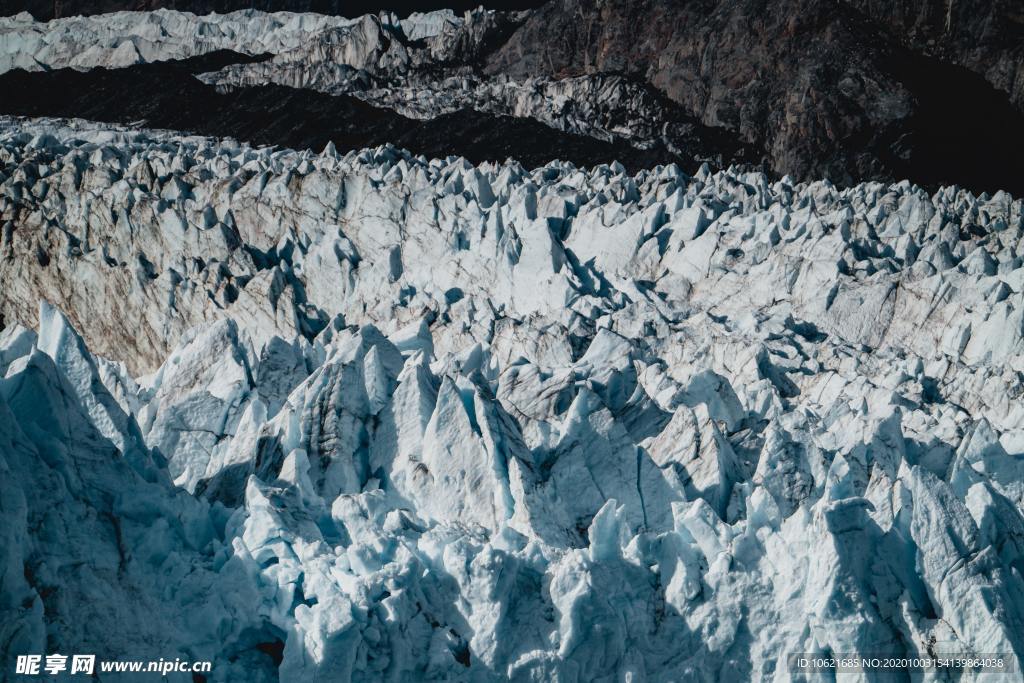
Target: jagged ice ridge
[416,419]
[121,39]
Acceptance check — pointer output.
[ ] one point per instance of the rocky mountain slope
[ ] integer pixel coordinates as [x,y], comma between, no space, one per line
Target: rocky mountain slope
[432,420]
[823,89]
[985,37]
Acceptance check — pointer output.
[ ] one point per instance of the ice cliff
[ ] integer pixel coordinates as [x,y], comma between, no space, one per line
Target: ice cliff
[376,417]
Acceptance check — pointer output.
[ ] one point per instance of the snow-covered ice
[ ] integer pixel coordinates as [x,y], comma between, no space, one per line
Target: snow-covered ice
[415,419]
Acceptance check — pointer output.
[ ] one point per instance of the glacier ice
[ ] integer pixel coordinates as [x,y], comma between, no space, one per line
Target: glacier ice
[120,39]
[405,419]
[420,66]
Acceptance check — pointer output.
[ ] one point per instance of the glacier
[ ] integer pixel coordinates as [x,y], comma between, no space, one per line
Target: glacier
[372,416]
[120,39]
[423,66]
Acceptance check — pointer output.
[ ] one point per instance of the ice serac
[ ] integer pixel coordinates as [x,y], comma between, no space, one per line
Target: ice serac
[389,418]
[91,543]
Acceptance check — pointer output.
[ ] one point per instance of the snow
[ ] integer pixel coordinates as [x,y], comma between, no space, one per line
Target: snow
[414,419]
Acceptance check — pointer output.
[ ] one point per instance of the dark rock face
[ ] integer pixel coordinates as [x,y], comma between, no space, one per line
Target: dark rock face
[822,88]
[985,37]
